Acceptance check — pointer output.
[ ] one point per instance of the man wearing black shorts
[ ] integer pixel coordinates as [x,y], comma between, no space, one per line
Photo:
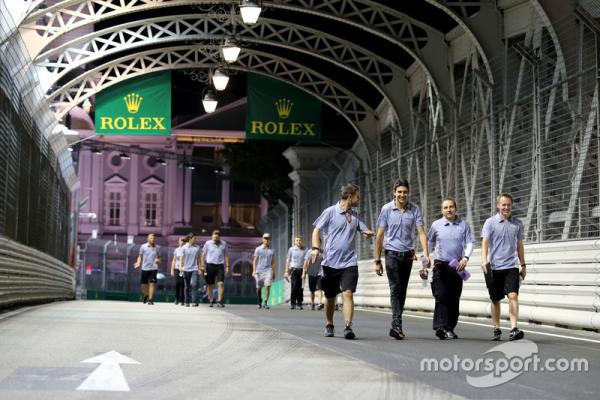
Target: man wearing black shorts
[501,253]
[314,272]
[148,259]
[214,257]
[339,224]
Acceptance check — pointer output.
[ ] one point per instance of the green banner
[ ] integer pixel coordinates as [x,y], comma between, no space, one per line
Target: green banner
[278,111]
[138,106]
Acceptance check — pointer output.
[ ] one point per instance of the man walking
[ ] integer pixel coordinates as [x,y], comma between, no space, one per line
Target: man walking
[396,226]
[190,261]
[314,272]
[177,272]
[263,269]
[502,251]
[214,258]
[339,224]
[149,258]
[452,240]
[293,267]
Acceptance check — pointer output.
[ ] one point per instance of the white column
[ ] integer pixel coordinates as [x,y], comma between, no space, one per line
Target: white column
[225,189]
[133,200]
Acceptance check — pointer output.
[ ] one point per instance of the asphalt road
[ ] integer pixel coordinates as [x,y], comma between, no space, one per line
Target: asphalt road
[122,350]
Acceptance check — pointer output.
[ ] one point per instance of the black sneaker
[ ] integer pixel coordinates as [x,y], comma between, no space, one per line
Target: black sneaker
[265,306]
[182,304]
[220,304]
[441,333]
[145,299]
[293,307]
[195,305]
[259,305]
[516,334]
[321,306]
[150,303]
[497,335]
[451,335]
[348,333]
[211,304]
[187,304]
[312,307]
[329,330]
[176,303]
[300,307]
[397,333]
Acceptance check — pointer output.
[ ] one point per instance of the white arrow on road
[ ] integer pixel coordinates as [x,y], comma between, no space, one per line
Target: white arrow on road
[108,376]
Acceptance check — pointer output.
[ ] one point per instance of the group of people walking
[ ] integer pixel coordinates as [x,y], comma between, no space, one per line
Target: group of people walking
[446,247]
[189,262]
[332,265]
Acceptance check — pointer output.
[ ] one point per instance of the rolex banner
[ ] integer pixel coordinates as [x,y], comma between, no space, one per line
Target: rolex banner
[138,106]
[278,111]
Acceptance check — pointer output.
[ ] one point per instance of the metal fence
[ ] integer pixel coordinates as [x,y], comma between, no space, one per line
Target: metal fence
[533,131]
[107,266]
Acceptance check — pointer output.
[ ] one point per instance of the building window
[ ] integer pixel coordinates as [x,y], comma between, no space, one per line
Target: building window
[151,204]
[114,208]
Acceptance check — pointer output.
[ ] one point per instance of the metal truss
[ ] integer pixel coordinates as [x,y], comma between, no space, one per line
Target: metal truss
[164,30]
[194,56]
[384,22]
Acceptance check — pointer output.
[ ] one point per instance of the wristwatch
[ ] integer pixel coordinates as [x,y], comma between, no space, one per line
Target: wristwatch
[316,248]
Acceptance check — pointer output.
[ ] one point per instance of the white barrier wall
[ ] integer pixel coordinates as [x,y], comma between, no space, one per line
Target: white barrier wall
[562,287]
[30,276]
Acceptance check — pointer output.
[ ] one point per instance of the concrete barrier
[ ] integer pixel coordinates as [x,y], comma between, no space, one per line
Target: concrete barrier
[30,276]
[562,287]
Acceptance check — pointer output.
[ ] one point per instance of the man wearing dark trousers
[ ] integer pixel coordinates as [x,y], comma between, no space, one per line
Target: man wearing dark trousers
[190,263]
[214,258]
[502,251]
[339,224]
[148,259]
[396,226]
[293,267]
[451,238]
[178,273]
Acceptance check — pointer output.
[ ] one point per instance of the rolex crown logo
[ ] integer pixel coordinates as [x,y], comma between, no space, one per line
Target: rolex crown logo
[133,101]
[284,107]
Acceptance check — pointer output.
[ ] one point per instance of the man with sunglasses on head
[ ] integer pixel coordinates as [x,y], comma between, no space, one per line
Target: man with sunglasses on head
[339,224]
[263,269]
[396,226]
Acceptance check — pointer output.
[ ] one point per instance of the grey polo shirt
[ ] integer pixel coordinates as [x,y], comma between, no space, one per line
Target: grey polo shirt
[314,269]
[178,252]
[149,255]
[400,226]
[450,239]
[265,258]
[215,254]
[339,230]
[190,258]
[503,236]
[296,255]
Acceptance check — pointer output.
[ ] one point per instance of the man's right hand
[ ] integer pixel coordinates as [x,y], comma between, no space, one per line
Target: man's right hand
[379,269]
[485,267]
[136,265]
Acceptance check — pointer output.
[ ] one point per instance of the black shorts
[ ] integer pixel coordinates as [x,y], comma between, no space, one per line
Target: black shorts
[314,283]
[335,281]
[149,276]
[214,272]
[502,282]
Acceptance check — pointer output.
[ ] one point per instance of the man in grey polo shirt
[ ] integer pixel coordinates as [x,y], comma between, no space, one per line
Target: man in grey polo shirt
[451,238]
[149,258]
[502,251]
[214,258]
[263,269]
[190,262]
[293,267]
[339,224]
[396,226]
